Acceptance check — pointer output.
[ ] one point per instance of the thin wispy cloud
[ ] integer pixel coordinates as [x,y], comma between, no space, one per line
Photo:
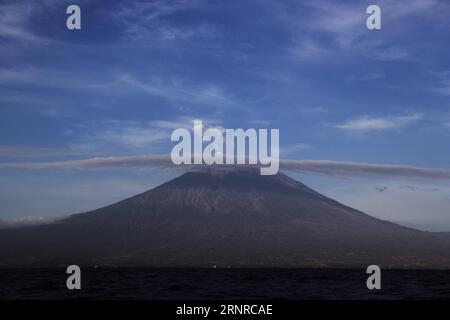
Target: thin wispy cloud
[308,50]
[150,21]
[344,25]
[443,82]
[366,77]
[174,89]
[13,23]
[292,149]
[40,77]
[15,26]
[364,124]
[132,135]
[443,90]
[138,12]
[314,109]
[259,122]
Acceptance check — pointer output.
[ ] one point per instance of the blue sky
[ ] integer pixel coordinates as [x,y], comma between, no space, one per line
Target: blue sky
[138,69]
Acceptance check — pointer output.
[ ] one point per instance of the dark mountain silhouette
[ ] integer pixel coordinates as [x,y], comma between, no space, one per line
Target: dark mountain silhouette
[234,218]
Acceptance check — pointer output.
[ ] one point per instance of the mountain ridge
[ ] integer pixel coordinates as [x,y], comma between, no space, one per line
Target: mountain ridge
[228,218]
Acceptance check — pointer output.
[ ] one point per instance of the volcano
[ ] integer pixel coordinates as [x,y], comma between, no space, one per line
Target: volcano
[225,218]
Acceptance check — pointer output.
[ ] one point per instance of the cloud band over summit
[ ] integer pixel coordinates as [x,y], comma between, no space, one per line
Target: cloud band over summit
[326,167]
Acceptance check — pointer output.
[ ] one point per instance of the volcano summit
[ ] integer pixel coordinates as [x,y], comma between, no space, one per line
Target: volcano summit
[228,218]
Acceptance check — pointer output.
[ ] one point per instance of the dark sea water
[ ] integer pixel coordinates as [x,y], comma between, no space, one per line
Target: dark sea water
[185,284]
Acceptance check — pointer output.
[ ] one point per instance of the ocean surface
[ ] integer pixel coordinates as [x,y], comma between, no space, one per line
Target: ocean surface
[187,284]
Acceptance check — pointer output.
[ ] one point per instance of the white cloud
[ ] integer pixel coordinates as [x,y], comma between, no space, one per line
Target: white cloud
[363,124]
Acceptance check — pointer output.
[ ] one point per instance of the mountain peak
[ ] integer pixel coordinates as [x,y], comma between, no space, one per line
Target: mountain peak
[239,178]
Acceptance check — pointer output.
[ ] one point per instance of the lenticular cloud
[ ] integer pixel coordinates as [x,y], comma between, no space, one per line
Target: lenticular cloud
[326,167]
